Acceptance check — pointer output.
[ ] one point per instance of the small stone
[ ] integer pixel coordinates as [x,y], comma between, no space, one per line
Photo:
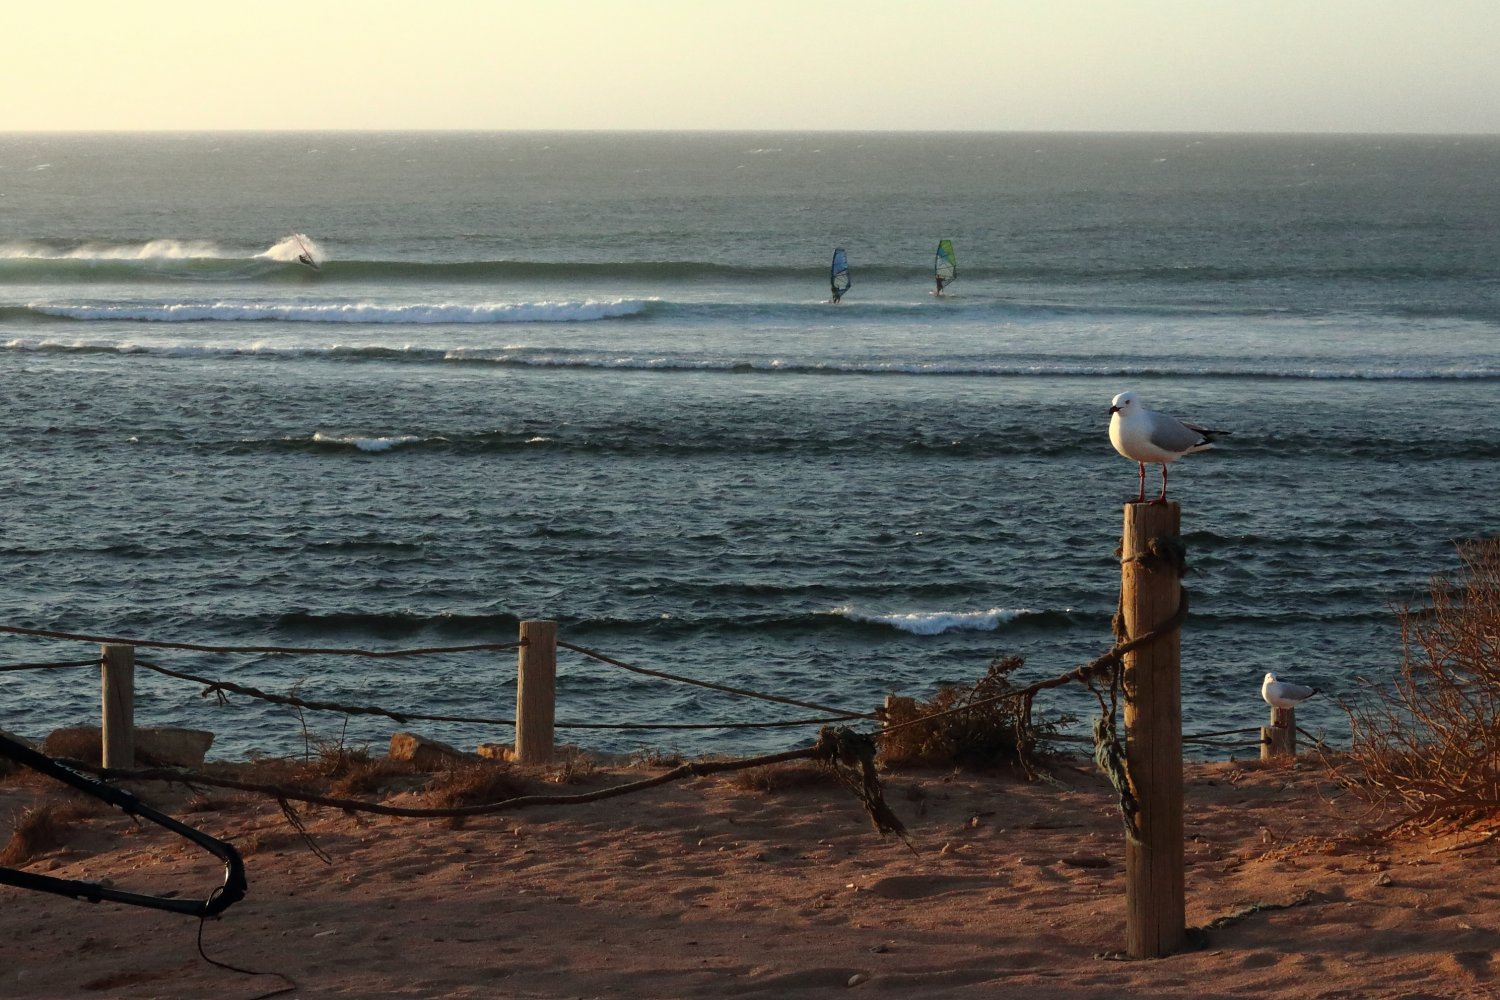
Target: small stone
[425,754]
[164,746]
[857,978]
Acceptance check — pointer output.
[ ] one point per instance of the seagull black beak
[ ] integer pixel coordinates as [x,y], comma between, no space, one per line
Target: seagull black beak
[1114,409]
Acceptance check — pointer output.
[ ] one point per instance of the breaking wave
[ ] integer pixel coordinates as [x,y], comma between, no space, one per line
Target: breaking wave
[938,622]
[372,313]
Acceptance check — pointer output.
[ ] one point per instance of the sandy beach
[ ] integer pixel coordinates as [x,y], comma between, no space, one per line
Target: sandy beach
[713,887]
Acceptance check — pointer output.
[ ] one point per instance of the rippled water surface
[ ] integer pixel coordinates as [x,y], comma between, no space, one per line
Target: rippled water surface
[595,378]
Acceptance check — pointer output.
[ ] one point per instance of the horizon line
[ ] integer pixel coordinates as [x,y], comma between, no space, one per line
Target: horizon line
[362,130]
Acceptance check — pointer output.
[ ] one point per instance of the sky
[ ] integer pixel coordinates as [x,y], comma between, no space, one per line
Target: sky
[973,65]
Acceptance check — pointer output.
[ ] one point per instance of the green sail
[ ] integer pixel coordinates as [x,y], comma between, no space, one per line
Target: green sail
[944,263]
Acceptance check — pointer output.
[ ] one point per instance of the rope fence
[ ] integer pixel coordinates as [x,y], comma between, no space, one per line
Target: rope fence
[1144,767]
[221,688]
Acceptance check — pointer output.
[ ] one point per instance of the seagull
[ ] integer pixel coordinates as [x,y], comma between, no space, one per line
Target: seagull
[1284,694]
[1147,436]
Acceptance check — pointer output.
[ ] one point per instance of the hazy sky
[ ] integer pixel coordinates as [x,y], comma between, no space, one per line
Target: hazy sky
[1217,65]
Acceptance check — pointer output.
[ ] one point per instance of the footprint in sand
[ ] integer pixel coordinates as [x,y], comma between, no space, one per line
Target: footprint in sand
[1475,963]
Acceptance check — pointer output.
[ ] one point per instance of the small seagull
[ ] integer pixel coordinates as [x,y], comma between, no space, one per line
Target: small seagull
[1284,694]
[1147,436]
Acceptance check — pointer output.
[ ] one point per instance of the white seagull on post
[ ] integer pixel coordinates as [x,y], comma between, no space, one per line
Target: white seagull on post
[1147,436]
[1284,694]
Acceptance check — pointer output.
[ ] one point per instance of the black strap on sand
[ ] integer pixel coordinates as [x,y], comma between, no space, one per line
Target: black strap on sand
[231,892]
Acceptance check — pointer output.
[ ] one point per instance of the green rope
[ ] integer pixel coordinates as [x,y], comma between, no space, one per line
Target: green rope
[1109,754]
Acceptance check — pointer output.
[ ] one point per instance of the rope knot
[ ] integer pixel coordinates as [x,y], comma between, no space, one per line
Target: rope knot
[851,756]
[1163,552]
[217,690]
[1110,756]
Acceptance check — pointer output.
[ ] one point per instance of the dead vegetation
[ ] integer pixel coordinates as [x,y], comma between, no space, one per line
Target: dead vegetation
[994,729]
[353,772]
[1426,746]
[477,785]
[44,827]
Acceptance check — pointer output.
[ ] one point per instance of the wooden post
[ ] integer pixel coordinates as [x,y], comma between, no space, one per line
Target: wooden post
[536,691]
[117,704]
[1279,739]
[1155,910]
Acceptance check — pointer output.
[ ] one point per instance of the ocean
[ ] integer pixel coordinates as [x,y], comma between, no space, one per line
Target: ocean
[595,377]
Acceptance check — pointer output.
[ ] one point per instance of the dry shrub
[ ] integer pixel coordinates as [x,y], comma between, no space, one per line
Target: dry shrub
[475,785]
[1427,746]
[572,767]
[334,768]
[335,760]
[996,730]
[352,771]
[650,758]
[43,828]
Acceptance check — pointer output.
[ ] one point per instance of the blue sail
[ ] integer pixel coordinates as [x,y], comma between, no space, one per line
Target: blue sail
[838,273]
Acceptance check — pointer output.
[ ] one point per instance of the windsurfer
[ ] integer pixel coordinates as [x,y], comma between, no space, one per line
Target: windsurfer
[838,275]
[939,279]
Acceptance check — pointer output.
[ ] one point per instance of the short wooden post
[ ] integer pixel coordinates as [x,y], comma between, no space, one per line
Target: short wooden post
[1279,739]
[536,691]
[117,703]
[1155,909]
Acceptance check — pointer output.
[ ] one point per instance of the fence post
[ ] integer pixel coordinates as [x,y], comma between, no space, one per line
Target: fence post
[536,691]
[1279,739]
[1155,908]
[117,704]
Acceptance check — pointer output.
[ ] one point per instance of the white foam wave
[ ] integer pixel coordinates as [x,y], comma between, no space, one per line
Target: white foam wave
[936,622]
[366,443]
[290,248]
[373,313]
[150,250]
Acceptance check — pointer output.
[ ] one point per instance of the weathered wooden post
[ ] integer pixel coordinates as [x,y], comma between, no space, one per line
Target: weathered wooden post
[1279,739]
[536,691]
[1150,590]
[117,704]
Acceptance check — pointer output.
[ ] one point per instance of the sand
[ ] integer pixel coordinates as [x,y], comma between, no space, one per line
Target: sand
[706,888]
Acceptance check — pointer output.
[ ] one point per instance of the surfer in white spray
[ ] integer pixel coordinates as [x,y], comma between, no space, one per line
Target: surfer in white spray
[305,254]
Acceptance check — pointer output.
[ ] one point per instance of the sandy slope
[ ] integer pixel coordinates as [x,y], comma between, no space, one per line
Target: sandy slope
[706,889]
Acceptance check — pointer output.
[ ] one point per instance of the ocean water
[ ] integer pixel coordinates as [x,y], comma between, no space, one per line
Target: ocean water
[594,377]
